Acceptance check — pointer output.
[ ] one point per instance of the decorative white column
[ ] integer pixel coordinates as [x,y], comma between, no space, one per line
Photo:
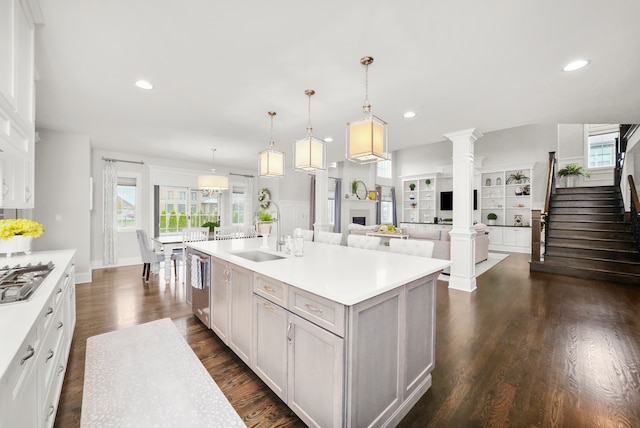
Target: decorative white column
[322,189]
[463,235]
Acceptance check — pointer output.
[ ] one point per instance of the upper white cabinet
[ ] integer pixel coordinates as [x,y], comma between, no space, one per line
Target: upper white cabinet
[17,126]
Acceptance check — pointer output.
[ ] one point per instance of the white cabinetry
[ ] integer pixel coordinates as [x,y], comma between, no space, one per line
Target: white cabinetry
[232,306]
[17,129]
[240,311]
[31,386]
[507,194]
[419,199]
[300,361]
[220,298]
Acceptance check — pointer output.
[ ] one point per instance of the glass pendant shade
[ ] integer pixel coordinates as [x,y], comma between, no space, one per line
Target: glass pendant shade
[310,154]
[271,163]
[367,140]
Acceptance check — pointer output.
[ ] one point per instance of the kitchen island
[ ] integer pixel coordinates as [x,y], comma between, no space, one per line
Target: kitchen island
[344,336]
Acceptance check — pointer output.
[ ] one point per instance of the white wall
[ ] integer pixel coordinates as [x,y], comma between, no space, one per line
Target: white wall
[63,165]
[499,149]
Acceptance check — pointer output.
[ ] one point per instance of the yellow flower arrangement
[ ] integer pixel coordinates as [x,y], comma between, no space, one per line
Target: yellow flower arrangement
[386,228]
[20,226]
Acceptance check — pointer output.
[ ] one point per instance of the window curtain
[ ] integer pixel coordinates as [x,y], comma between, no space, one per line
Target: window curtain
[393,207]
[379,205]
[312,202]
[110,219]
[337,206]
[249,200]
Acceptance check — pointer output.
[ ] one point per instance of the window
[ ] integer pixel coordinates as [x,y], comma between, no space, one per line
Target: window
[237,205]
[127,215]
[383,169]
[173,215]
[601,145]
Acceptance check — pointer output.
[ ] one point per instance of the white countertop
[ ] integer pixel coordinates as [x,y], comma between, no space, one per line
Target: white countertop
[16,319]
[343,274]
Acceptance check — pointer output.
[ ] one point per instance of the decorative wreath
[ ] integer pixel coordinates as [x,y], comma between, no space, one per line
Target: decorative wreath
[264,197]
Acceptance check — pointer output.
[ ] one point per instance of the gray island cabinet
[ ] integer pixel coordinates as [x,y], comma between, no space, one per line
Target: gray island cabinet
[344,336]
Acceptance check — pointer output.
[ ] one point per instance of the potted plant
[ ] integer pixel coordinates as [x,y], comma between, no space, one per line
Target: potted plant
[412,186]
[517,178]
[354,187]
[571,173]
[265,220]
[491,218]
[413,204]
[428,182]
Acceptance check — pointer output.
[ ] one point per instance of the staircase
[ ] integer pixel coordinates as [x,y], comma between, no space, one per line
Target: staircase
[587,236]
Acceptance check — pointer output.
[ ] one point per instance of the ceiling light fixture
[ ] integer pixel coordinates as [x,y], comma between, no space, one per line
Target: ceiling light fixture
[367,138]
[409,114]
[271,162]
[309,153]
[143,84]
[575,65]
[212,184]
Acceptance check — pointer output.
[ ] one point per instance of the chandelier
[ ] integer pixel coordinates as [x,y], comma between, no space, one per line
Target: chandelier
[367,138]
[212,184]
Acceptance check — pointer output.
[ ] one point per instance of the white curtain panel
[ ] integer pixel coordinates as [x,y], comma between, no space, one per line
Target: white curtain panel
[249,200]
[110,180]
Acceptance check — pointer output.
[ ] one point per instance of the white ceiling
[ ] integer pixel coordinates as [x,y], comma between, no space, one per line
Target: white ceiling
[218,67]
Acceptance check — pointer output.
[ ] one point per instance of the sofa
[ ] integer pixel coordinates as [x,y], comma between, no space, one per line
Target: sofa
[440,237]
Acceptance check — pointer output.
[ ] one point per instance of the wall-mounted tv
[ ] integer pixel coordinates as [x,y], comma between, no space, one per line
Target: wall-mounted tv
[446,200]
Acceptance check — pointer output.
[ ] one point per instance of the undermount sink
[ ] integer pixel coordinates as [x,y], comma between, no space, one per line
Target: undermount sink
[258,256]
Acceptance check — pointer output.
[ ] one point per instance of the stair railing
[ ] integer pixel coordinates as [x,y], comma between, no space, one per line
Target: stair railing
[635,212]
[537,216]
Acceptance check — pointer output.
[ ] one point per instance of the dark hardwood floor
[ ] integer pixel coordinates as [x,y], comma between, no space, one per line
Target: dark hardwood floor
[523,350]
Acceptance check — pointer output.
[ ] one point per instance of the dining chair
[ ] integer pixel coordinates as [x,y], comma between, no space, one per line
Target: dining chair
[189,234]
[329,238]
[411,247]
[224,232]
[147,254]
[307,234]
[362,241]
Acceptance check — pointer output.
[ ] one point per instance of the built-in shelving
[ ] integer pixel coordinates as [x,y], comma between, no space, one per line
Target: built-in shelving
[507,197]
[419,199]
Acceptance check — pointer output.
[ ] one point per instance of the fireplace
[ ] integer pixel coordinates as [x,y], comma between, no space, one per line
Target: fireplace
[359,220]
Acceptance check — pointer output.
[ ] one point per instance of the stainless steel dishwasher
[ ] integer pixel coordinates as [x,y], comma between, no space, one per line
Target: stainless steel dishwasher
[199,279]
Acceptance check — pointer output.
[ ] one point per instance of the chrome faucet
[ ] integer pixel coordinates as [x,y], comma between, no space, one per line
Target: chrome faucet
[279,240]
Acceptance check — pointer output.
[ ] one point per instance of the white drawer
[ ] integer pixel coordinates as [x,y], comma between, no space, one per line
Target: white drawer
[270,289]
[23,363]
[320,311]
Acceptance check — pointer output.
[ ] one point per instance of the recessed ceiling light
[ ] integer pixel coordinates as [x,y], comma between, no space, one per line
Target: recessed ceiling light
[409,114]
[575,65]
[143,84]
[328,140]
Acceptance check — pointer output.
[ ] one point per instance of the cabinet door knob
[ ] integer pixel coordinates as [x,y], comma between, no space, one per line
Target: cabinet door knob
[60,325]
[49,356]
[30,353]
[289,333]
[269,289]
[49,311]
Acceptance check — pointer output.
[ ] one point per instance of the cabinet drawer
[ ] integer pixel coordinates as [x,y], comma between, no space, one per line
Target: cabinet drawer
[22,365]
[271,289]
[320,311]
[51,349]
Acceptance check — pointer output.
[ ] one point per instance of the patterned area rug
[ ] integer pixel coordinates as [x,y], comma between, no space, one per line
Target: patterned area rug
[482,267]
[148,376]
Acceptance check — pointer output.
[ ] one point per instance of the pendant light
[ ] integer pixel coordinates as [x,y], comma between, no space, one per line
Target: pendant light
[309,153]
[212,184]
[271,162]
[367,138]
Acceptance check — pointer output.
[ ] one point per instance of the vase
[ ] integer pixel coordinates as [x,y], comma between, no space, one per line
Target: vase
[264,228]
[16,244]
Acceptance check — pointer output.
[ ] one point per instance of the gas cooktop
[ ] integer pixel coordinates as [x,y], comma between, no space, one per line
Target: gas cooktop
[18,283]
